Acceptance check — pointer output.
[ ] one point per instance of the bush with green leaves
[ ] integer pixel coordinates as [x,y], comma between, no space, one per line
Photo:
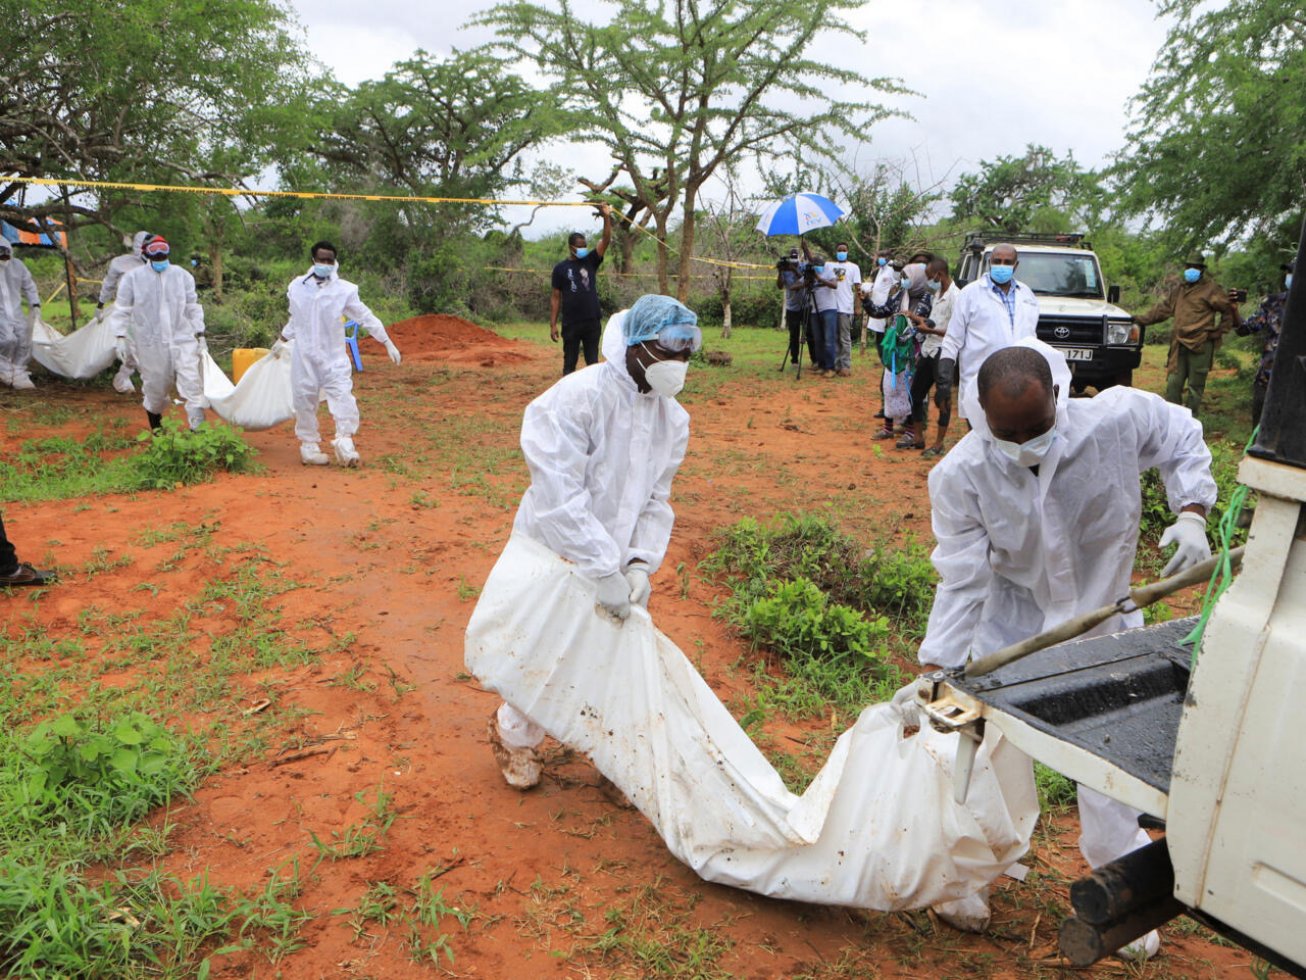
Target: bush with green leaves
[92,775]
[886,580]
[796,619]
[175,454]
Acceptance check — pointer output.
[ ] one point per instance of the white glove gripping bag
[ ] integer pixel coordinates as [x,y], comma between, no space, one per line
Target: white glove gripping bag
[877,828]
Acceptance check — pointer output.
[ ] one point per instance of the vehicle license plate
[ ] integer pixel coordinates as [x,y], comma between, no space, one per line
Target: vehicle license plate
[1077,353]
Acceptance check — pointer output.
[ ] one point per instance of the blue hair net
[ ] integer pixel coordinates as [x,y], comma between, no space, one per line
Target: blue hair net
[652,314]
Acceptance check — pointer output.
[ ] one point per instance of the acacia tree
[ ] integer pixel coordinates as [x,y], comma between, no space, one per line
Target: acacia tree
[150,91]
[730,229]
[685,86]
[1011,194]
[1217,149]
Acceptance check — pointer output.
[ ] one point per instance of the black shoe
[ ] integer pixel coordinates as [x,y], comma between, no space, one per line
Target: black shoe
[26,575]
[156,421]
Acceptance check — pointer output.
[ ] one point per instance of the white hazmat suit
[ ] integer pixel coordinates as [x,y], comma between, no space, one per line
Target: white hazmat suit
[160,316]
[602,458]
[980,325]
[119,266]
[1020,552]
[320,362]
[16,285]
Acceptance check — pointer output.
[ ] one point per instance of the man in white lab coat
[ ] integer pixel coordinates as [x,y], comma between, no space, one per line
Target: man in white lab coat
[993,312]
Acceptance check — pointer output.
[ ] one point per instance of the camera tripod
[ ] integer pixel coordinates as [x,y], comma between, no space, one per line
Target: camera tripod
[805,333]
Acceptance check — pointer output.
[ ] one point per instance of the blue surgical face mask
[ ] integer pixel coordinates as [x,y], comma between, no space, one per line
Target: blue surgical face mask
[1287,281]
[1192,275]
[933,285]
[819,269]
[1001,274]
[158,265]
[881,261]
[582,251]
[194,263]
[905,282]
[323,270]
[841,256]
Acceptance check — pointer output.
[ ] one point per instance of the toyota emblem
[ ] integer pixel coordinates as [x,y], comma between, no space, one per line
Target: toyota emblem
[1061,333]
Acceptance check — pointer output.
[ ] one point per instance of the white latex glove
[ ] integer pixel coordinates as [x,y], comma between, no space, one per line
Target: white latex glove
[278,349]
[393,351]
[637,577]
[614,594]
[33,314]
[202,343]
[120,349]
[906,706]
[1188,533]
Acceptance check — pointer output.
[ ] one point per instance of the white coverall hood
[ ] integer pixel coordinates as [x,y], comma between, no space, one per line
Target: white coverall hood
[138,242]
[602,458]
[1060,377]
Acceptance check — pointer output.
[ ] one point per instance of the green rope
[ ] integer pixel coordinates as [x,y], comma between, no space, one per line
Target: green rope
[1222,577]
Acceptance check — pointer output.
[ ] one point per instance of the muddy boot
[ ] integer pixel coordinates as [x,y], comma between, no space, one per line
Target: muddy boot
[156,420]
[969,914]
[520,767]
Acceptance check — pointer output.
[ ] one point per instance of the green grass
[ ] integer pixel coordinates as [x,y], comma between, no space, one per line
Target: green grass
[60,468]
[85,754]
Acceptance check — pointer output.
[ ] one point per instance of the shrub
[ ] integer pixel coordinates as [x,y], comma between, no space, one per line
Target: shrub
[798,620]
[177,455]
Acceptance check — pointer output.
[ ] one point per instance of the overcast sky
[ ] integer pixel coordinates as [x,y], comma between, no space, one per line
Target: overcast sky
[991,77]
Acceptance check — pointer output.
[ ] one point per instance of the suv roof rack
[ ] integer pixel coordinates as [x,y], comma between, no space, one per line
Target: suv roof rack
[977,240]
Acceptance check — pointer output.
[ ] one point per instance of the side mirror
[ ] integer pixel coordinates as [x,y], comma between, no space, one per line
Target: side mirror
[1113,295]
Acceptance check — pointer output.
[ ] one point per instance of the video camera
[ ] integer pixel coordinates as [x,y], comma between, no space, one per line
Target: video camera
[788,263]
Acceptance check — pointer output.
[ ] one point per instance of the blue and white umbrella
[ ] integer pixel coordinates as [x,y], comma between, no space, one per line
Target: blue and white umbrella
[798,214]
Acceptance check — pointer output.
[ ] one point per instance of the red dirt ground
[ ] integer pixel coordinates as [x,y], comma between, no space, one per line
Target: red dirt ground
[563,883]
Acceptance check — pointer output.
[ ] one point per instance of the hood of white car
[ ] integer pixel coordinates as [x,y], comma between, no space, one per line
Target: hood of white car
[1074,306]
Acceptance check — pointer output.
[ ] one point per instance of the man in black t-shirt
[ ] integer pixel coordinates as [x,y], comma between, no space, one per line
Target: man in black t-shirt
[576,296]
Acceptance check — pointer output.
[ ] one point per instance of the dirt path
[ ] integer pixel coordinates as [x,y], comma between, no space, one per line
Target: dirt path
[561,882]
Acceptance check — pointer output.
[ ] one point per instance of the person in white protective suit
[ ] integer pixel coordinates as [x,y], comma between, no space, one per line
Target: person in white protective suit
[156,313]
[16,285]
[993,312]
[119,266]
[603,446]
[319,304]
[1036,513]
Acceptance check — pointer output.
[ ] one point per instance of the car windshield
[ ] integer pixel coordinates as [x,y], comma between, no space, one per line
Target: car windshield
[1059,274]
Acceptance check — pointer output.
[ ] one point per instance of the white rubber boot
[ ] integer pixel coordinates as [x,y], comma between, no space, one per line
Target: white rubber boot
[22,381]
[311,455]
[1141,949]
[346,454]
[520,767]
[969,914]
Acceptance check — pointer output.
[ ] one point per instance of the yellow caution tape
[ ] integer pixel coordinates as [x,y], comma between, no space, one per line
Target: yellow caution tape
[337,196]
[302,195]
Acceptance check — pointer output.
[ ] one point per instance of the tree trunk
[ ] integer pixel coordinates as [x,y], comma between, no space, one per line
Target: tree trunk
[727,317]
[660,219]
[687,244]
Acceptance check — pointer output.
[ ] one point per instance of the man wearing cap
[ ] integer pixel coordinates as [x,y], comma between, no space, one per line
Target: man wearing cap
[16,285]
[119,266]
[1267,320]
[1194,304]
[157,312]
[603,446]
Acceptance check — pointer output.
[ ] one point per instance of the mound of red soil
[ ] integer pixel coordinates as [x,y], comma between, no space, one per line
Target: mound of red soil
[441,337]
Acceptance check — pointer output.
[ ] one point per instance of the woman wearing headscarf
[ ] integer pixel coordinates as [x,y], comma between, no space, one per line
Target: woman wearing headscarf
[898,347]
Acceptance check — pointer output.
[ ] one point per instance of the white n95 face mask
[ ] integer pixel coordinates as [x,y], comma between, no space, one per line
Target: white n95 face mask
[1031,452]
[667,377]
